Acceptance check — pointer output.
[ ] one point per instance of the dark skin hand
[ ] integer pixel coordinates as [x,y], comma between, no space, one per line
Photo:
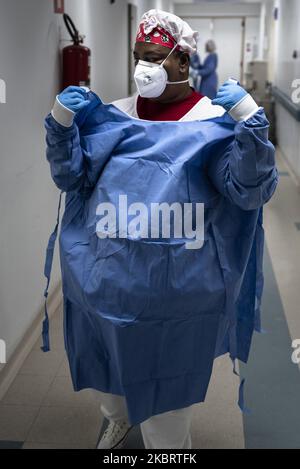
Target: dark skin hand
[177,67]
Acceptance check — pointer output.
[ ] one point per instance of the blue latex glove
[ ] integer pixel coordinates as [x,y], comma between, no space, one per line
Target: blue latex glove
[74,98]
[229,94]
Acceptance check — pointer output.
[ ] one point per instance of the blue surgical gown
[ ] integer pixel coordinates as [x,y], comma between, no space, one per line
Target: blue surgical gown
[145,317]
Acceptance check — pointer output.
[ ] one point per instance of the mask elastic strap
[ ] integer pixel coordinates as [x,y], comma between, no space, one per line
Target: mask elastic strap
[173,82]
[177,82]
[162,64]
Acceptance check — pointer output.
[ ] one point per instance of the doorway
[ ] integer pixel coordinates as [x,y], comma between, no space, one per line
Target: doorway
[132,28]
[229,35]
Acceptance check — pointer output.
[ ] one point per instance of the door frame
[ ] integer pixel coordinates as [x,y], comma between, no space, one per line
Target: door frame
[131,28]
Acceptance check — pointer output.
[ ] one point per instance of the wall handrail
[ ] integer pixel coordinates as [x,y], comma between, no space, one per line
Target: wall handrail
[286,102]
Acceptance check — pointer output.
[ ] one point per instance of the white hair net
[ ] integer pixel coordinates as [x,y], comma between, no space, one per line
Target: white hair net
[183,34]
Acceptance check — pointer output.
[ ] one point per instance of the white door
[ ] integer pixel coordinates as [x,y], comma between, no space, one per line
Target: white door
[204,27]
[228,34]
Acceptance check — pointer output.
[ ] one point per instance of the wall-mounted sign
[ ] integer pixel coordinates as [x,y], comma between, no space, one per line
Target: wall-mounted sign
[59,6]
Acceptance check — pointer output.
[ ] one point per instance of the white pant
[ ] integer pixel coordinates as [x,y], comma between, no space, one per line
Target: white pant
[163,431]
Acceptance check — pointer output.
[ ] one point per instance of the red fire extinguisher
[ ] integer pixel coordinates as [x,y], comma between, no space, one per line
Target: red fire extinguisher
[76,59]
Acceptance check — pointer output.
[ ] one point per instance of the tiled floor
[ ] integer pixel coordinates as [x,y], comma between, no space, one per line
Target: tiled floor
[40,410]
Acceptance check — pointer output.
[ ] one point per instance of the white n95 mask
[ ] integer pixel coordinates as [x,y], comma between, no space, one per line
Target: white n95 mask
[151,79]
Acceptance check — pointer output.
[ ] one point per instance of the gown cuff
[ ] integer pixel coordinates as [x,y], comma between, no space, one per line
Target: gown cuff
[244,109]
[62,114]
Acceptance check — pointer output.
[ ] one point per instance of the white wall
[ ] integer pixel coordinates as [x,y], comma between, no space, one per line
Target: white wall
[287,68]
[142,6]
[108,25]
[216,9]
[251,38]
[30,40]
[166,5]
[270,51]
[145,5]
[288,134]
[28,199]
[105,27]
[287,39]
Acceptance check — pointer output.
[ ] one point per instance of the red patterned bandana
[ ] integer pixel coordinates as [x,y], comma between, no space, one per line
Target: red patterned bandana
[157,36]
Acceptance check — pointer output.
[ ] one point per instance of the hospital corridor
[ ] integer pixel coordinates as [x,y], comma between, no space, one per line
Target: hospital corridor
[150,225]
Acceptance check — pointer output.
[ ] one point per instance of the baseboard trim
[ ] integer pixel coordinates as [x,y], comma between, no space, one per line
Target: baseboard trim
[15,362]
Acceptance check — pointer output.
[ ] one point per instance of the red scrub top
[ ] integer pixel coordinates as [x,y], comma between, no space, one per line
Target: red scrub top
[154,111]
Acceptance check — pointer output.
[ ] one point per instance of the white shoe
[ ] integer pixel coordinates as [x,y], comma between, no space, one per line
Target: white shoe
[115,435]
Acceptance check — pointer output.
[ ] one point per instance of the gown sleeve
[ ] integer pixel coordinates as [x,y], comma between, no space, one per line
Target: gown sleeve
[244,169]
[77,153]
[64,154]
[209,66]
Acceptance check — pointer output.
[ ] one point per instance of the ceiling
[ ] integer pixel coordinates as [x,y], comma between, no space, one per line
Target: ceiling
[220,1]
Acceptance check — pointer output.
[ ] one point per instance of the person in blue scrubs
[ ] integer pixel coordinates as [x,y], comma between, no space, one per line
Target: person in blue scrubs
[207,71]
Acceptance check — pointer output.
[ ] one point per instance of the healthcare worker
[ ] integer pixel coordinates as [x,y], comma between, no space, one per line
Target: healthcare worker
[145,316]
[208,71]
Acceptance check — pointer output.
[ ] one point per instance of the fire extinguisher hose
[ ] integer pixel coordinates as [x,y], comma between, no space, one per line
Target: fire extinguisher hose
[73,31]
